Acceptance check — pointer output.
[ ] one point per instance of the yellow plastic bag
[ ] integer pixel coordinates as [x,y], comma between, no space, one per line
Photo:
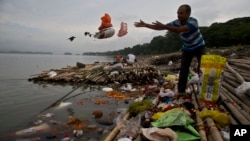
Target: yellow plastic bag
[219,117]
[157,115]
[211,66]
[171,77]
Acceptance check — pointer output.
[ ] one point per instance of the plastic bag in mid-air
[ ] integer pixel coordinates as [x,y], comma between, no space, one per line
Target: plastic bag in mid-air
[123,29]
[106,22]
[106,29]
[105,33]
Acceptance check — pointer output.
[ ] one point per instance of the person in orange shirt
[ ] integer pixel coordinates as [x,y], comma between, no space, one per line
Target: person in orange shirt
[118,58]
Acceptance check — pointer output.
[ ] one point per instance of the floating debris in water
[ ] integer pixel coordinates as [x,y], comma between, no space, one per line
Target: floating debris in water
[62,105]
[106,89]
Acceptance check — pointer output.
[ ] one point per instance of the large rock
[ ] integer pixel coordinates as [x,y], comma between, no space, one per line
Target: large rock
[80,65]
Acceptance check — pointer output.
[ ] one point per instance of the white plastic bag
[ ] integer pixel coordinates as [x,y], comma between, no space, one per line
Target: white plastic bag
[243,88]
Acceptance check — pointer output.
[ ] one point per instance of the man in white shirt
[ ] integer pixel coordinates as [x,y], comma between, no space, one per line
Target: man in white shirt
[131,59]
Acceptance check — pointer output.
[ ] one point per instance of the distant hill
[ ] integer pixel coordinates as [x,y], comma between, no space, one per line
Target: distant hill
[25,52]
[67,53]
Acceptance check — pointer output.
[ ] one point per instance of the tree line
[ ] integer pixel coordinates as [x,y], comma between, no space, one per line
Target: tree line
[231,33]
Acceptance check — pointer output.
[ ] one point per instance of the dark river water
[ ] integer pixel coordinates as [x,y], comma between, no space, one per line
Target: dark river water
[22,100]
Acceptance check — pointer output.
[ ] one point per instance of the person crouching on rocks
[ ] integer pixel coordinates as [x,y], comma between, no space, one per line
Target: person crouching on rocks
[118,61]
[130,60]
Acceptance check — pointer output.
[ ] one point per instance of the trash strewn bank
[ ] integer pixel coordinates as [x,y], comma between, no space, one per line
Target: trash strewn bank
[153,111]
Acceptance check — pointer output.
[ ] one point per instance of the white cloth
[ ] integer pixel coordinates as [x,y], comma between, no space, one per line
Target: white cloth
[131,58]
[166,92]
[117,65]
[170,63]
[159,134]
[243,88]
[194,80]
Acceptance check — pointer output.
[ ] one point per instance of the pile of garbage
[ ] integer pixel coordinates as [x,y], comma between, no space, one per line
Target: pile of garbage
[160,115]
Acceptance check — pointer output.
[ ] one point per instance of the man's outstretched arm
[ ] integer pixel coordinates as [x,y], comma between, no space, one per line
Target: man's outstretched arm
[160,26]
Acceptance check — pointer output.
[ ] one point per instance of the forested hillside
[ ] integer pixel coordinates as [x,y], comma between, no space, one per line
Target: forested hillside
[231,33]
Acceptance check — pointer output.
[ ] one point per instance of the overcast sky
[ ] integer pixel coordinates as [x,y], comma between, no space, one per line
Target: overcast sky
[46,25]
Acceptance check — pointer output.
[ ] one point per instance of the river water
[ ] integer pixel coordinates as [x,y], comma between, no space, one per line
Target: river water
[21,100]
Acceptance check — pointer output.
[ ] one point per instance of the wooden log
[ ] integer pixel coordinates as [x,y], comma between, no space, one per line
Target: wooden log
[209,137]
[234,111]
[231,82]
[101,79]
[215,133]
[232,119]
[237,100]
[236,106]
[199,122]
[242,65]
[232,90]
[237,75]
[236,61]
[115,131]
[244,73]
[96,76]
[212,127]
[86,74]
[91,75]
[228,75]
[234,84]
[239,69]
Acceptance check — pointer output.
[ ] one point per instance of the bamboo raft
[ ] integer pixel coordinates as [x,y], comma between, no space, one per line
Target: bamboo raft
[97,74]
[144,71]
[235,74]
